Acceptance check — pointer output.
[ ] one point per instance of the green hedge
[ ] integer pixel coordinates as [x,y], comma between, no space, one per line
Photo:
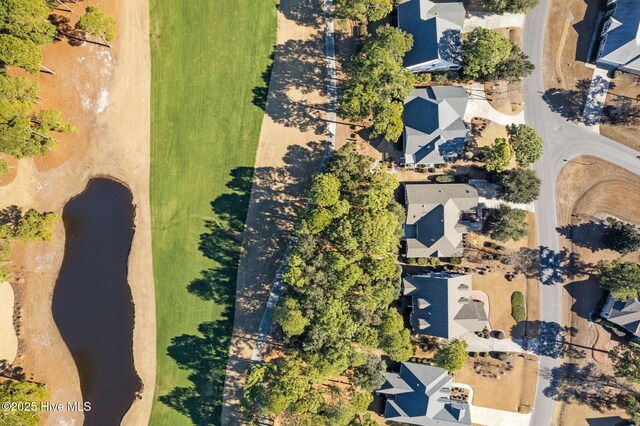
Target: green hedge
[518,311]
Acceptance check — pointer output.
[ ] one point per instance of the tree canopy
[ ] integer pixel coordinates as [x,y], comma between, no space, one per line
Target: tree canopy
[626,361]
[25,393]
[15,52]
[377,83]
[97,23]
[452,355]
[27,20]
[483,50]
[514,68]
[362,10]
[526,144]
[511,6]
[620,236]
[622,279]
[370,375]
[506,224]
[341,279]
[518,186]
[498,156]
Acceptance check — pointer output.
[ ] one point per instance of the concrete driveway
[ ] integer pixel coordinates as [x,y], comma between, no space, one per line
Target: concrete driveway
[491,417]
[492,21]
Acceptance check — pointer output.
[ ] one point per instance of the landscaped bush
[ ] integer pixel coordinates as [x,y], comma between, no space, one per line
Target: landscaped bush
[412,261]
[445,179]
[456,260]
[483,354]
[502,356]
[500,335]
[423,78]
[518,311]
[473,354]
[428,261]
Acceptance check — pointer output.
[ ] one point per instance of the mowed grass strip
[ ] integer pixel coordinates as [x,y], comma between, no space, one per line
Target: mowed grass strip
[208,57]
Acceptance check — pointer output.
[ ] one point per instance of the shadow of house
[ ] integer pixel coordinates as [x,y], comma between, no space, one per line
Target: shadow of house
[586,295]
[585,29]
[587,234]
[606,421]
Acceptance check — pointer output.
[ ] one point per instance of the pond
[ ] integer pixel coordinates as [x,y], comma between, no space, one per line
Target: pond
[92,303]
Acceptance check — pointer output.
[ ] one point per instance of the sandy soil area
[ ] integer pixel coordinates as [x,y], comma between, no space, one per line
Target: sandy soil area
[585,195]
[623,88]
[515,391]
[290,150]
[8,336]
[105,93]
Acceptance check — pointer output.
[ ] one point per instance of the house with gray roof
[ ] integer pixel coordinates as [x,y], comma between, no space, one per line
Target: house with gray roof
[620,38]
[421,395]
[438,216]
[436,28]
[625,314]
[443,305]
[434,129]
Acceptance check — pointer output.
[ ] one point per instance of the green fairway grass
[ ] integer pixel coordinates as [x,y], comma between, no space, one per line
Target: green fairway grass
[208,60]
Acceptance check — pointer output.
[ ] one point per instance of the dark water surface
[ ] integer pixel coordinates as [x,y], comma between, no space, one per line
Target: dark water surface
[92,303]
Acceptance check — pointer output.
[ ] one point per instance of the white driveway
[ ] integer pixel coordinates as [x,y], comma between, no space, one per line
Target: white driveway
[492,21]
[478,106]
[480,344]
[596,99]
[491,417]
[492,203]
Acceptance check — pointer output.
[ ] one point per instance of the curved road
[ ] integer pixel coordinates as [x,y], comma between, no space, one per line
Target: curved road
[562,141]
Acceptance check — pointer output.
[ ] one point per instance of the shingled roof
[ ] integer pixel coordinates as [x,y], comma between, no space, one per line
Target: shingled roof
[625,314]
[443,305]
[620,45]
[420,395]
[433,226]
[436,28]
[434,130]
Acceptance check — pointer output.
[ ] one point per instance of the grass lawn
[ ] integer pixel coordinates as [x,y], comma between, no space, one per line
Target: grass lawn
[207,62]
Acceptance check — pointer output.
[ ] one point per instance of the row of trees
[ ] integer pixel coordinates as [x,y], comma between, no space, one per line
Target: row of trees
[377,83]
[341,280]
[362,10]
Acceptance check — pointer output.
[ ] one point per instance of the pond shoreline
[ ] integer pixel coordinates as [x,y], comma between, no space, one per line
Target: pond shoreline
[92,303]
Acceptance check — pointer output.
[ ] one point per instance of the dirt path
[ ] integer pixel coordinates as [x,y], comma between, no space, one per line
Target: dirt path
[290,150]
[8,337]
[106,94]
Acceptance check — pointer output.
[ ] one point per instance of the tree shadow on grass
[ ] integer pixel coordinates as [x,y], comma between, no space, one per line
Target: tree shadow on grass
[585,385]
[206,353]
[587,234]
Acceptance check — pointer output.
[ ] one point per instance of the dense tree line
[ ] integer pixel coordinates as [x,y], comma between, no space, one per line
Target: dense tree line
[377,83]
[341,280]
[626,364]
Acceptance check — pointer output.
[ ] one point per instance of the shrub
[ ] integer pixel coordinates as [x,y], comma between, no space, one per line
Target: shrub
[500,335]
[412,261]
[617,73]
[502,356]
[518,311]
[456,260]
[483,354]
[439,77]
[473,354]
[445,179]
[423,78]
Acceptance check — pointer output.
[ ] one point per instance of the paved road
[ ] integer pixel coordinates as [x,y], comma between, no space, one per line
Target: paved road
[562,141]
